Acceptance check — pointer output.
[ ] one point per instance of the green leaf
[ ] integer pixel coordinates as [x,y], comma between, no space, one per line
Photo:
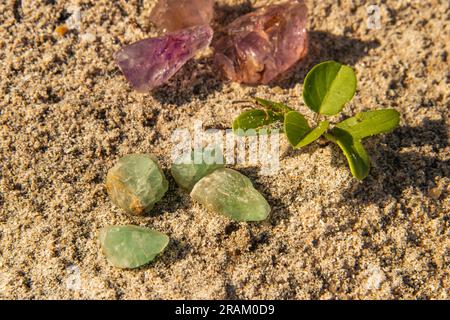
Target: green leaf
[328,87]
[314,134]
[298,132]
[259,119]
[370,123]
[349,133]
[354,152]
[295,127]
[274,106]
[255,119]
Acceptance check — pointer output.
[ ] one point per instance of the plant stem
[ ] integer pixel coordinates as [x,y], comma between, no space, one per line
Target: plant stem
[317,119]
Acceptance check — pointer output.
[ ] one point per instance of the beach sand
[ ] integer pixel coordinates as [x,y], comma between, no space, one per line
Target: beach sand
[67,115]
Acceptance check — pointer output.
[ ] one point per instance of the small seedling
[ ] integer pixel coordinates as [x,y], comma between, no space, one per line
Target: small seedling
[326,90]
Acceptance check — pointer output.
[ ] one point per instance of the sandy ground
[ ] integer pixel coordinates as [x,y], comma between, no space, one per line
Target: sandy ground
[67,115]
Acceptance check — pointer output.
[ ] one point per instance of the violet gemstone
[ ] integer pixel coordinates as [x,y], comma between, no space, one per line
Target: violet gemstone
[171,15]
[149,63]
[259,46]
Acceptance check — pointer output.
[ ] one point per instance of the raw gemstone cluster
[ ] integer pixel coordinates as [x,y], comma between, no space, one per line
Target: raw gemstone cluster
[149,63]
[259,46]
[253,49]
[221,190]
[172,15]
[136,183]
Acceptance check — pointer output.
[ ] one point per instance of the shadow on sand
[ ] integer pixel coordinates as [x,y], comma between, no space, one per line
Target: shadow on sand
[394,171]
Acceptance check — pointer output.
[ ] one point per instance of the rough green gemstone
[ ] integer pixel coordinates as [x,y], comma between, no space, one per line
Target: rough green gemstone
[201,163]
[131,246]
[232,194]
[136,183]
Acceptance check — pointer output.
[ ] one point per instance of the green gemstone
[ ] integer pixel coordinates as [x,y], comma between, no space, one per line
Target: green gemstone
[131,246]
[232,194]
[136,183]
[200,163]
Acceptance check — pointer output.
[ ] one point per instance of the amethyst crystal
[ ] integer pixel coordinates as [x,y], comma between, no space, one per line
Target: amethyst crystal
[261,45]
[149,63]
[171,15]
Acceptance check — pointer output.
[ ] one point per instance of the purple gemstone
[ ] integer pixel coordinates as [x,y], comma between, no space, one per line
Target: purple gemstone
[259,46]
[149,63]
[171,15]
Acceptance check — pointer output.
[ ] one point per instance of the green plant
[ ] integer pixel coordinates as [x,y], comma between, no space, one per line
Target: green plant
[326,90]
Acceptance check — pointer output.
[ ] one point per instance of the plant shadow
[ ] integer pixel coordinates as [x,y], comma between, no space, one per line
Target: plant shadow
[394,171]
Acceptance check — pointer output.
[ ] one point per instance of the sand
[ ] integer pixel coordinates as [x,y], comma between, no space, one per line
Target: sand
[67,115]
